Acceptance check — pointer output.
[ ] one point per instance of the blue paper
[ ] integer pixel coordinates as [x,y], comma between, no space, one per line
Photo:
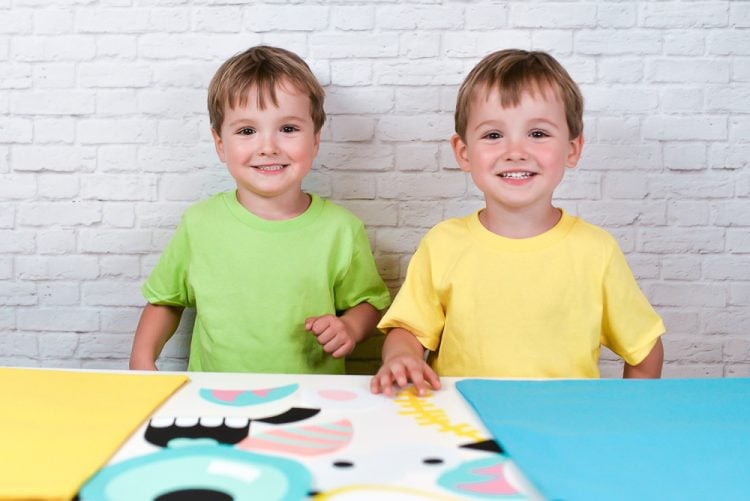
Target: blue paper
[581,440]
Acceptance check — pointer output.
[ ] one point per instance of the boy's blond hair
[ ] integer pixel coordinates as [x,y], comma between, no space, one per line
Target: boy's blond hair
[513,72]
[264,68]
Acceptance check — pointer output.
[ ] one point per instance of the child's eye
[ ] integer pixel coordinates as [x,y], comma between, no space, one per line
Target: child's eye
[492,135]
[246,131]
[288,129]
[538,134]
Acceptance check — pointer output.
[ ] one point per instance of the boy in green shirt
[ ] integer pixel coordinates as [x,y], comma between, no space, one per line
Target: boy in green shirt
[282,280]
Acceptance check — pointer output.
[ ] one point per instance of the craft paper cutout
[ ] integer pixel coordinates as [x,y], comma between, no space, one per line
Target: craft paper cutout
[348,399]
[58,427]
[211,470]
[311,440]
[158,433]
[290,416]
[380,492]
[622,439]
[426,413]
[242,398]
[482,478]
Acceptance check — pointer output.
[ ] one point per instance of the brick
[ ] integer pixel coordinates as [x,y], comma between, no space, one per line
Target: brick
[15,130]
[301,17]
[353,187]
[419,45]
[623,213]
[726,268]
[426,127]
[728,156]
[15,76]
[111,293]
[107,74]
[692,70]
[687,186]
[728,43]
[485,17]
[17,186]
[685,349]
[684,43]
[557,42]
[346,45]
[130,20]
[104,346]
[58,186]
[680,100]
[416,157]
[682,268]
[368,157]
[739,294]
[739,15]
[731,321]
[420,214]
[478,44]
[419,73]
[731,213]
[68,213]
[359,101]
[419,186]
[351,73]
[696,294]
[688,213]
[121,320]
[676,15]
[100,131]
[669,240]
[738,241]
[58,242]
[17,241]
[372,212]
[58,320]
[417,100]
[18,293]
[732,99]
[352,128]
[53,345]
[682,156]
[217,19]
[616,15]
[56,158]
[620,157]
[707,127]
[418,17]
[552,15]
[52,48]
[355,18]
[58,294]
[614,42]
[119,187]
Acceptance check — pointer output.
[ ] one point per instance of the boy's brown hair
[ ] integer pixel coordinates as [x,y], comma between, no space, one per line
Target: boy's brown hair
[265,68]
[513,72]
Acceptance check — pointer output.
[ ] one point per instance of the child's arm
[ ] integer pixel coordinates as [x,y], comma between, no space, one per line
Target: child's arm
[650,367]
[403,361]
[156,326]
[339,335]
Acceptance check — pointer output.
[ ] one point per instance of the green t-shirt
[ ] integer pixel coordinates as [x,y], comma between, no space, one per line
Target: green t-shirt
[253,282]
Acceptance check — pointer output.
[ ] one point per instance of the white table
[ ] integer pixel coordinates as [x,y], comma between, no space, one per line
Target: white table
[307,437]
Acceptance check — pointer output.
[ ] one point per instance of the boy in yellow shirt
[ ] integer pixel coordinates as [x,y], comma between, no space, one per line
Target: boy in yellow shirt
[520,288]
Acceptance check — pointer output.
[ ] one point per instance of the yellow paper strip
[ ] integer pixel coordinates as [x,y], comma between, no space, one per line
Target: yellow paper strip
[57,428]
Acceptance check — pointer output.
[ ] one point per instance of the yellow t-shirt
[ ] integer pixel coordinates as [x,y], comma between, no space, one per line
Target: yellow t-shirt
[491,306]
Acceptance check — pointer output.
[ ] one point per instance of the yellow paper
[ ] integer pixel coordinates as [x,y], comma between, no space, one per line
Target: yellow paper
[57,428]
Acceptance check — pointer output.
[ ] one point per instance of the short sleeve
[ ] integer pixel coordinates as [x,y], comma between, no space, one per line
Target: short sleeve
[630,325]
[361,282]
[417,306]
[168,282]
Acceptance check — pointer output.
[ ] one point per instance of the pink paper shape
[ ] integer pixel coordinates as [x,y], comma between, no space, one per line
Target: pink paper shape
[496,484]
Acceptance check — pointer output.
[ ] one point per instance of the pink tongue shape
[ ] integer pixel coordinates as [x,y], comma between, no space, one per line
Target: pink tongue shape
[226,395]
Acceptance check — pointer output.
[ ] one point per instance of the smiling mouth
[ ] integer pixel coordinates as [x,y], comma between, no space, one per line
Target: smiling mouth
[269,168]
[517,175]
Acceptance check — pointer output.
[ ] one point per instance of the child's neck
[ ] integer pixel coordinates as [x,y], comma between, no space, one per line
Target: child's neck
[521,223]
[276,208]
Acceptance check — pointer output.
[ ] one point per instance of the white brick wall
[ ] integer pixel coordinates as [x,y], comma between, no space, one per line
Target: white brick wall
[104,140]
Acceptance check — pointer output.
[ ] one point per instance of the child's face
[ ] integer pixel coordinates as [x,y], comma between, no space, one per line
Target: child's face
[268,152]
[517,156]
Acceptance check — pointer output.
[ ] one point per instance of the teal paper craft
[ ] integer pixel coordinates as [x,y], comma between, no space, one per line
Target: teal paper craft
[593,440]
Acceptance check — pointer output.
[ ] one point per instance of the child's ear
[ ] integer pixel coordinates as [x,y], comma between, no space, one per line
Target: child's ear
[574,154]
[218,144]
[460,151]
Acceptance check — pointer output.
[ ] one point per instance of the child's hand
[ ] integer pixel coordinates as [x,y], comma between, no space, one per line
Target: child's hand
[333,334]
[401,369]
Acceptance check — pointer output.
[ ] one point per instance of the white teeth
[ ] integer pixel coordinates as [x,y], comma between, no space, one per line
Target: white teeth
[269,167]
[516,175]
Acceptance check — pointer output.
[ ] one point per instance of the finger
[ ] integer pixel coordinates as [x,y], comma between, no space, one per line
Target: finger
[343,350]
[417,380]
[318,325]
[432,378]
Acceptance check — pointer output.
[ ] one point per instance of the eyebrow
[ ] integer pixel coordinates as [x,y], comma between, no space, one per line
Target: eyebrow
[289,118]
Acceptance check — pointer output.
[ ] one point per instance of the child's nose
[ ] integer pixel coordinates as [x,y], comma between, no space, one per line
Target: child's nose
[268,145]
[515,150]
